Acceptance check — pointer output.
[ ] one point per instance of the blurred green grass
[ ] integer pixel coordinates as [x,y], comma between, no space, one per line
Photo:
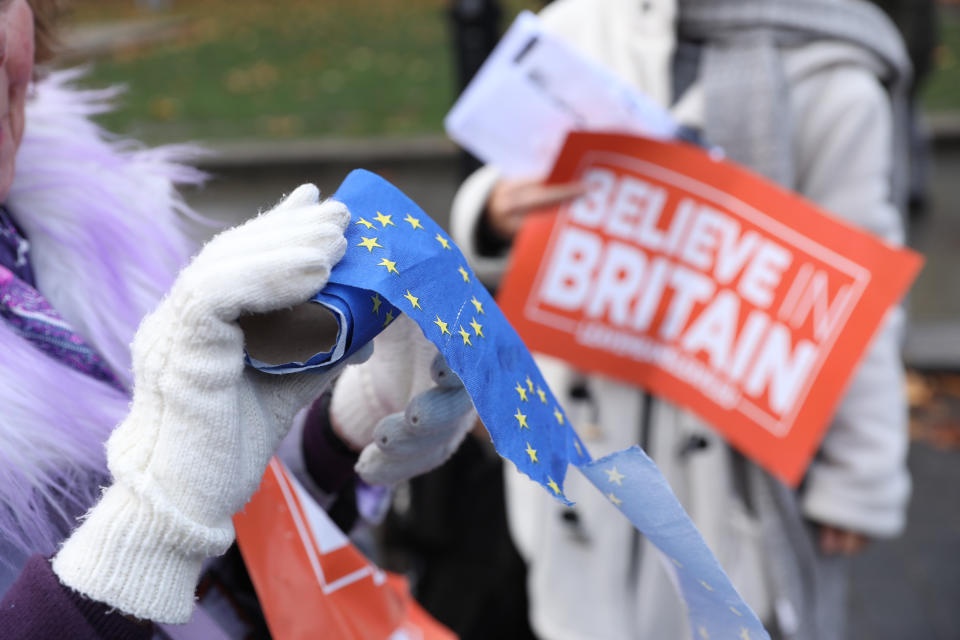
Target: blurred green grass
[286,68]
[241,69]
[942,90]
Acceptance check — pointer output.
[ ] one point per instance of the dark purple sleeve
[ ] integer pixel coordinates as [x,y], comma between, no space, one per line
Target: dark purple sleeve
[328,459]
[38,607]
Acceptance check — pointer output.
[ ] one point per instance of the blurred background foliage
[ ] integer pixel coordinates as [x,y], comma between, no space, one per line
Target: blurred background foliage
[284,68]
[942,90]
[242,69]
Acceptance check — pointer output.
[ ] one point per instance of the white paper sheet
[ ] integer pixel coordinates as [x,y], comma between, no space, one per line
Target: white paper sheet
[532,91]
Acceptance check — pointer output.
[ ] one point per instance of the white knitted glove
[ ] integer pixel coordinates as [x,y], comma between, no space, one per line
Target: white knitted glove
[202,426]
[403,407]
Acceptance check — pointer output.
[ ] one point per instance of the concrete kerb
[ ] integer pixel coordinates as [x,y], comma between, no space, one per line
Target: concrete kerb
[226,156]
[944,128]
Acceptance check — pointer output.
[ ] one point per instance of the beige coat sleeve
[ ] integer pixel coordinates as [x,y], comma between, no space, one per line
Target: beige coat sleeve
[843,136]
[465,217]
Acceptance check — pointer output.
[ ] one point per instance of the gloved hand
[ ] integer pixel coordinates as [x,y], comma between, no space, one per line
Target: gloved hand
[404,408]
[202,426]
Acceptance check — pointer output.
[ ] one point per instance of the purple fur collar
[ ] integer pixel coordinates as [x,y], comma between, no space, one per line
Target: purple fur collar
[105,226]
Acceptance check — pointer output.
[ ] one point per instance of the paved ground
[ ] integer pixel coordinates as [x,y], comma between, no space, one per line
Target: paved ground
[910,588]
[935,299]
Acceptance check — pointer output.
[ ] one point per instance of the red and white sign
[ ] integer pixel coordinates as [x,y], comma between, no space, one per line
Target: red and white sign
[706,284]
[311,581]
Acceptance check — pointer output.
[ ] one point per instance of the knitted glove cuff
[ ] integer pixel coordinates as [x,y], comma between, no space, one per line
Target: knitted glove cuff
[137,558]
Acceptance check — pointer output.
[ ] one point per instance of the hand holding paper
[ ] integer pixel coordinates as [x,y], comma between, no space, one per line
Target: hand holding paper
[511,201]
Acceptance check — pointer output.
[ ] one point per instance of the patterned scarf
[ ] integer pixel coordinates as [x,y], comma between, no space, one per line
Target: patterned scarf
[744,79]
[31,316]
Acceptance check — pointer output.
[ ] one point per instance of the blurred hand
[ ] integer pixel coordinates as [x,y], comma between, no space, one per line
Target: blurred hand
[404,409]
[512,200]
[834,541]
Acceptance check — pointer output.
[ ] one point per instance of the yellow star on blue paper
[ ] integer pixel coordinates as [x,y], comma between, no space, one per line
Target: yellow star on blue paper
[414,300]
[414,222]
[477,327]
[615,476]
[466,336]
[384,220]
[389,318]
[369,243]
[443,242]
[477,305]
[376,303]
[521,419]
[523,392]
[532,453]
[464,274]
[558,415]
[443,326]
[614,499]
[390,265]
[529,384]
[542,394]
[365,223]
[553,485]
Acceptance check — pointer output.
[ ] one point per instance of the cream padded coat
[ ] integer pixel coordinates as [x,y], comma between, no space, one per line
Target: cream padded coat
[590,575]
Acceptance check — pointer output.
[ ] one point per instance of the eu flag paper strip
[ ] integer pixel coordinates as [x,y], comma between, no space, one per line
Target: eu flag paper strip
[352,332]
[400,261]
[632,482]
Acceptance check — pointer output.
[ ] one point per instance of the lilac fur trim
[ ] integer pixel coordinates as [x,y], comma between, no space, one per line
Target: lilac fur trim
[50,473]
[106,228]
[102,216]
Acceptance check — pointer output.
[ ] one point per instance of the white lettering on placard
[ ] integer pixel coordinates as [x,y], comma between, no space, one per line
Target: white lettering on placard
[779,371]
[763,274]
[570,275]
[753,330]
[631,200]
[714,330]
[590,209]
[815,301]
[733,254]
[691,285]
[698,250]
[651,293]
[617,282]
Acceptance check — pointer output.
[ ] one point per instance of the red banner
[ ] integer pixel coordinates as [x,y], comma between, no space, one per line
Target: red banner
[311,581]
[705,284]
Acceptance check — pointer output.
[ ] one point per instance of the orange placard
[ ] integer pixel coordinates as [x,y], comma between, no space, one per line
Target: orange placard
[706,284]
[311,581]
